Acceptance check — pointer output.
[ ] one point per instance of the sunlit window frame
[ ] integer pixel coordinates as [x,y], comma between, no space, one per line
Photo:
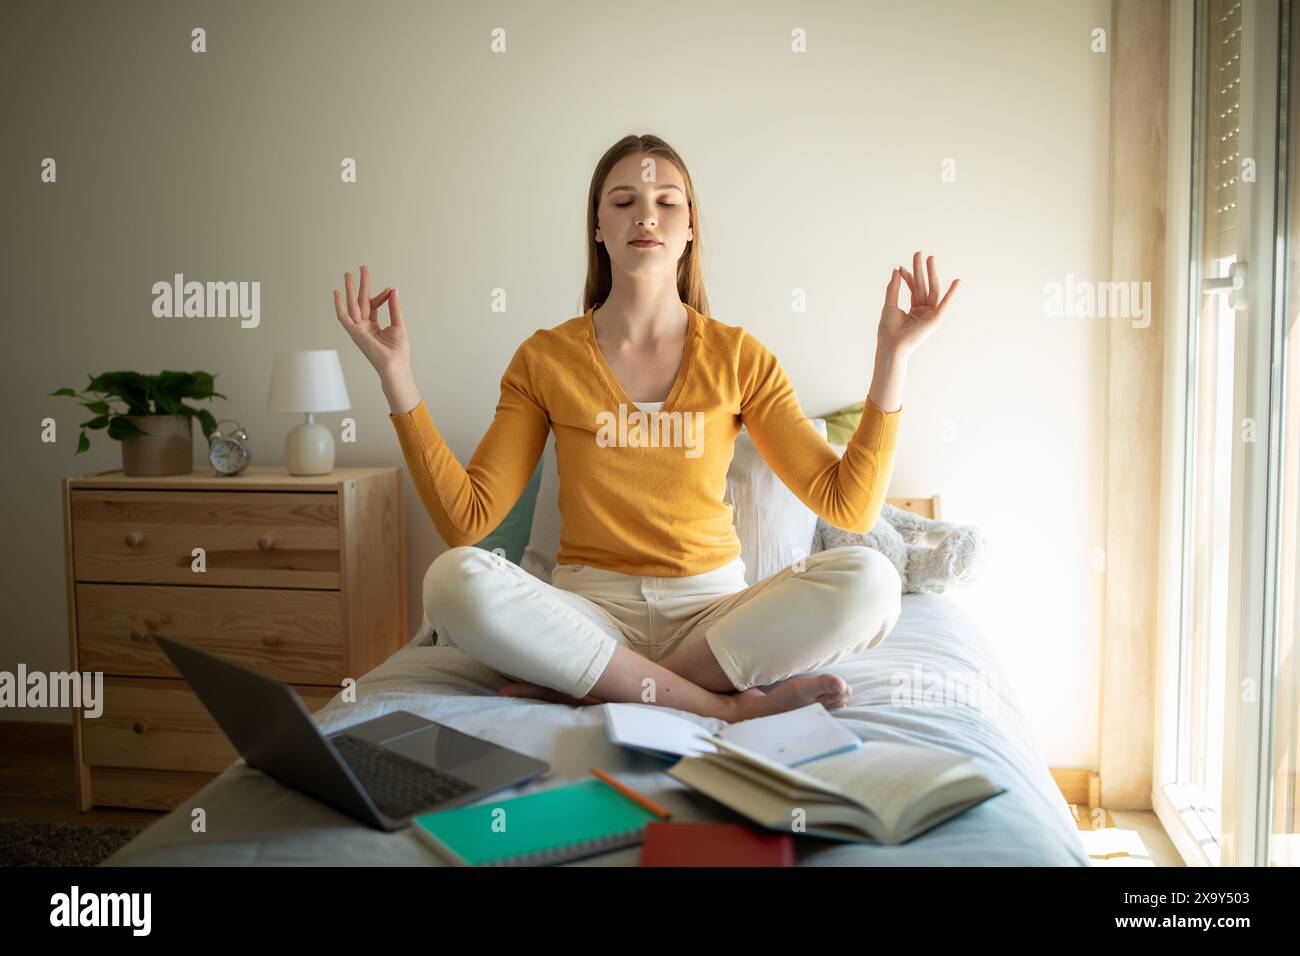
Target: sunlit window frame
[1253,601]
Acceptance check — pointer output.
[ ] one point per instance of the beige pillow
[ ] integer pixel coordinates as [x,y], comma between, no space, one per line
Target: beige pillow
[841,424]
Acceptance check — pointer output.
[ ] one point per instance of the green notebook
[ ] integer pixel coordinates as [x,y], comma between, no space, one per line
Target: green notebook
[550,826]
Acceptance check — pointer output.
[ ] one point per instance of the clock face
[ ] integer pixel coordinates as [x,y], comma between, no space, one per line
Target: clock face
[227,456]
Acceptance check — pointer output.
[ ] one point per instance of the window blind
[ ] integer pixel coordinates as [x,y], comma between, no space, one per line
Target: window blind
[1223,128]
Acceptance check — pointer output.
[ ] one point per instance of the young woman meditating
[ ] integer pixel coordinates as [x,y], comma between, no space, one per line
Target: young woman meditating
[646,394]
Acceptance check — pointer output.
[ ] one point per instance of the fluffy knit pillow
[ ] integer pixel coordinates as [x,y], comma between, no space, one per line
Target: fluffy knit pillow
[938,554]
[882,537]
[934,554]
[929,555]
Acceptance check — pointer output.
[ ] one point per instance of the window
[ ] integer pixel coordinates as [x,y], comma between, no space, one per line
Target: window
[1227,790]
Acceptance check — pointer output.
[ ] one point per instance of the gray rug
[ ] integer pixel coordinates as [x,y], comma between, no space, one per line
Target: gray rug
[25,843]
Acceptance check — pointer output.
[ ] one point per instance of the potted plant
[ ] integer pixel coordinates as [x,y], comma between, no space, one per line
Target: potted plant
[156,428]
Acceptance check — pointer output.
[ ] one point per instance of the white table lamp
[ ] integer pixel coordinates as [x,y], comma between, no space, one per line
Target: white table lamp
[308,382]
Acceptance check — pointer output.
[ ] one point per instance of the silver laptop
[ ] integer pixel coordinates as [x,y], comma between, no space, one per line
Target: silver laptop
[381,771]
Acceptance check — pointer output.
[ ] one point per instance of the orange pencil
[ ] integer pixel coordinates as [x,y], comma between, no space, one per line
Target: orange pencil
[632,794]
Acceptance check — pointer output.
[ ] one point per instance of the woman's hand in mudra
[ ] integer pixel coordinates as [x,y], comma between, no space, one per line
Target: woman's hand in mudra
[901,332]
[388,349]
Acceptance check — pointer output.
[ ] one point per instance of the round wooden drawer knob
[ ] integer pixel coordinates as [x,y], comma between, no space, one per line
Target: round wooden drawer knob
[134,539]
[270,640]
[140,634]
[264,542]
[140,726]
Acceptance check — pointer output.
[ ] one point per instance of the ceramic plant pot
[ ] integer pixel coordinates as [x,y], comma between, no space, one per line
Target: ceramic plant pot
[167,449]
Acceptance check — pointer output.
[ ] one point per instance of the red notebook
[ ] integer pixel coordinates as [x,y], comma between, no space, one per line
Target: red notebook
[714,844]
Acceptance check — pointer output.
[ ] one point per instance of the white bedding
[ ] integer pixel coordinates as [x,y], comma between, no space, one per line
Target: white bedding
[253,820]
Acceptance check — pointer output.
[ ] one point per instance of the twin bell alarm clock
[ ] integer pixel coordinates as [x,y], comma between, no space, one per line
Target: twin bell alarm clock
[228,451]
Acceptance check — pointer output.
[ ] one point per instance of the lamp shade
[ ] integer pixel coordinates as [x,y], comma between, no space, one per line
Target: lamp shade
[308,381]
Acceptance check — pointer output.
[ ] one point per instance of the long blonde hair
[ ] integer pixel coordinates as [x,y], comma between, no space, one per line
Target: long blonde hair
[690,271]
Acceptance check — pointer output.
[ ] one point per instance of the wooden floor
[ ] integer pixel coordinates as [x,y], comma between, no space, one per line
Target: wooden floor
[36,777]
[1125,838]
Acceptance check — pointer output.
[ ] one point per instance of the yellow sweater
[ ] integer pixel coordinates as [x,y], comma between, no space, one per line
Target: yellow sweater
[642,492]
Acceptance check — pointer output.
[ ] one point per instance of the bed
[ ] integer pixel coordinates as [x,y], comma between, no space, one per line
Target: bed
[252,820]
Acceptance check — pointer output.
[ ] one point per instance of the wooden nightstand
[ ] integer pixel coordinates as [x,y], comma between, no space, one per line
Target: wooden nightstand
[305,581]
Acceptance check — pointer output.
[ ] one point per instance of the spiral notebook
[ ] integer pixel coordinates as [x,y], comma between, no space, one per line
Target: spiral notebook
[550,826]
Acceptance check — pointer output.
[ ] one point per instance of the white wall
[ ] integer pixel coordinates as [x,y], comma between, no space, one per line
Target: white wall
[817,171]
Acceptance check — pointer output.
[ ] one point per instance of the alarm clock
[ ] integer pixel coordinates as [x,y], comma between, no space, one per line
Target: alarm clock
[229,453]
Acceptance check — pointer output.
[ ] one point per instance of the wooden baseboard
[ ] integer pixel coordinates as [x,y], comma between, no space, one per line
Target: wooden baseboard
[1082,791]
[1079,787]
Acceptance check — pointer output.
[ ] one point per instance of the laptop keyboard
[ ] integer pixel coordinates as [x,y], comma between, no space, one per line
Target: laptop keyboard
[399,785]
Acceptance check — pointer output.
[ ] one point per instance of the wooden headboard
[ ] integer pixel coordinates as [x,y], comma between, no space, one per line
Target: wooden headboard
[925,507]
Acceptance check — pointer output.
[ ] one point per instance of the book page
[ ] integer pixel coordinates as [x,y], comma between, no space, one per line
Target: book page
[793,737]
[654,728]
[956,796]
[763,779]
[887,778]
[790,775]
[768,808]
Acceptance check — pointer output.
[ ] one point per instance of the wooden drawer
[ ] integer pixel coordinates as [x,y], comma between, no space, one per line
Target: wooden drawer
[144,789]
[304,582]
[160,724]
[294,636]
[251,539]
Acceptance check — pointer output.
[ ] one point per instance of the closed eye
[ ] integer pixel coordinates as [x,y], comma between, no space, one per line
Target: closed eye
[622,204]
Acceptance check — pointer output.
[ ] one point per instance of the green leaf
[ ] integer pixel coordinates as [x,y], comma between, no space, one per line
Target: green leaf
[209,422]
[99,408]
[83,444]
[121,427]
[64,391]
[99,422]
[203,385]
[177,385]
[114,382]
[167,404]
[132,387]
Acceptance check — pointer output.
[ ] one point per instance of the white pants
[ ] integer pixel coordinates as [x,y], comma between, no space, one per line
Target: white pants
[561,635]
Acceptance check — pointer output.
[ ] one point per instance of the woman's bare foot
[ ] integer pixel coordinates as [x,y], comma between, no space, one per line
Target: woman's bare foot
[523,688]
[826,689]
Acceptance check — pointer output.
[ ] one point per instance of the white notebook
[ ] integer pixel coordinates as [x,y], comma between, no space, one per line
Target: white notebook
[791,738]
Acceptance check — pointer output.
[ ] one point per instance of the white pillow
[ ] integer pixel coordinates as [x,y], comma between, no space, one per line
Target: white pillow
[775,528]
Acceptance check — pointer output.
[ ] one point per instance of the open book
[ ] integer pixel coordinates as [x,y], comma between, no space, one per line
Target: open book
[881,792]
[790,738]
